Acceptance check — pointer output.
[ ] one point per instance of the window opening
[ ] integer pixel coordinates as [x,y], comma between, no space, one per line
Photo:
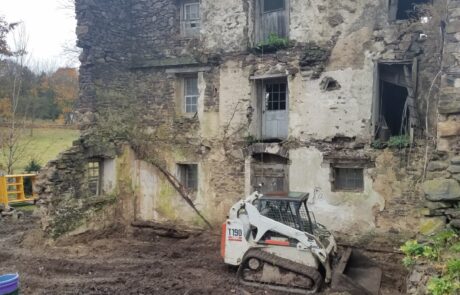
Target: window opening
[276,96]
[272,171]
[348,179]
[93,171]
[395,108]
[188,175]
[191,18]
[406,9]
[272,19]
[273,5]
[191,94]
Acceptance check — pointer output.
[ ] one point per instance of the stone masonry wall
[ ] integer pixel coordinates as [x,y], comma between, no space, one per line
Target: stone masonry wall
[134,57]
[442,187]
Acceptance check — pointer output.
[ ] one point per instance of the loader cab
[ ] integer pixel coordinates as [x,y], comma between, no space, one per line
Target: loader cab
[288,208]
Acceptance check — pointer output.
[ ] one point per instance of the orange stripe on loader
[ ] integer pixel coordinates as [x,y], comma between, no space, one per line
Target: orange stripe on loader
[223,239]
[277,243]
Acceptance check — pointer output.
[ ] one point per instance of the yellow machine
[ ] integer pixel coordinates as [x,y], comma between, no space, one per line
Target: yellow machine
[13,190]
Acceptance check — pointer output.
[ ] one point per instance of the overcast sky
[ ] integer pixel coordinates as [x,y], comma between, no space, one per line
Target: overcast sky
[48,25]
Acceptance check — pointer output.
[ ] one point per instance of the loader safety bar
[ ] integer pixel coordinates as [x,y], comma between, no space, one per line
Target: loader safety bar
[17,189]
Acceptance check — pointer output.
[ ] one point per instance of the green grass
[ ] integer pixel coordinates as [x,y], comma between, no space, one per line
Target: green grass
[43,146]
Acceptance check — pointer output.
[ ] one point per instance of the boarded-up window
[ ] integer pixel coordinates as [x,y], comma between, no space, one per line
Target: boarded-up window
[271,171]
[272,18]
[348,179]
[190,18]
[93,175]
[188,175]
[191,94]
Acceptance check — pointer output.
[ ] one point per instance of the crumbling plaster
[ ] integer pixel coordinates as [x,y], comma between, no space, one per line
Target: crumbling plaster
[129,66]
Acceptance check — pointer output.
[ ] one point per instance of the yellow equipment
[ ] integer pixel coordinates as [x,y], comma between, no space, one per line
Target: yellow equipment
[12,189]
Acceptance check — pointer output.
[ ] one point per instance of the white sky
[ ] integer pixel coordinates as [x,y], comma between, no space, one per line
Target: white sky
[48,26]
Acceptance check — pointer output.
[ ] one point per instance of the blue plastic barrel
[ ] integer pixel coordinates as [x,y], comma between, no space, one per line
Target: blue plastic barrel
[9,284]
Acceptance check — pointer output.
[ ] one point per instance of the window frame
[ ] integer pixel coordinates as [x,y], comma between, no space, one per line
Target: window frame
[335,184]
[278,102]
[187,31]
[183,172]
[186,96]
[259,34]
[91,177]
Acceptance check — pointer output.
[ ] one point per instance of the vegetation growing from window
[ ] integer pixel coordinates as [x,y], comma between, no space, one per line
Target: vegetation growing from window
[272,44]
[395,142]
[442,252]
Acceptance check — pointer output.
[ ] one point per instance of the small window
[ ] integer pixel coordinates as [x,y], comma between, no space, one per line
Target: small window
[93,171]
[190,18]
[191,94]
[276,94]
[188,176]
[348,179]
[273,5]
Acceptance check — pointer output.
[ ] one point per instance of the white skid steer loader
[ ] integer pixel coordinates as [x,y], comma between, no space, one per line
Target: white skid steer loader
[277,244]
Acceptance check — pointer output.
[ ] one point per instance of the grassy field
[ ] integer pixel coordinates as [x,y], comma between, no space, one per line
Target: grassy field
[43,146]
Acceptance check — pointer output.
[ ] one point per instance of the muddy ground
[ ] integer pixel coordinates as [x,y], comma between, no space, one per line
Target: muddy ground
[113,262]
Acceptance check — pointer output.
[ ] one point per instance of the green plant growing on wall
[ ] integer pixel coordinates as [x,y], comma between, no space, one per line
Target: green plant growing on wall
[272,44]
[437,251]
[400,141]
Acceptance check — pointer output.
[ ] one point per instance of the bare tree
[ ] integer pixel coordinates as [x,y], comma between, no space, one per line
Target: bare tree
[11,147]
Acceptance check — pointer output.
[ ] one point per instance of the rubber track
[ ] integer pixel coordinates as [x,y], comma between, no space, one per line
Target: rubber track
[283,263]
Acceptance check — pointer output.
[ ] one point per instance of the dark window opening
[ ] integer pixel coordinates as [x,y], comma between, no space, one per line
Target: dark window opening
[93,175]
[395,113]
[273,5]
[406,9]
[329,84]
[394,99]
[348,179]
[188,176]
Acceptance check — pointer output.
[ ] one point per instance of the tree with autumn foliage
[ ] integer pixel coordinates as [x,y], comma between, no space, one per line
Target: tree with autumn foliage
[64,83]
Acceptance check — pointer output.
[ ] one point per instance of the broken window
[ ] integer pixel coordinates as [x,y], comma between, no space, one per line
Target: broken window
[188,176]
[275,109]
[277,95]
[272,18]
[190,18]
[348,179]
[406,9]
[191,94]
[394,108]
[93,171]
[271,171]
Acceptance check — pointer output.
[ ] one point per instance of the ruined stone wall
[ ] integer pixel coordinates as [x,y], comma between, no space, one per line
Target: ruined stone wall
[442,186]
[134,58]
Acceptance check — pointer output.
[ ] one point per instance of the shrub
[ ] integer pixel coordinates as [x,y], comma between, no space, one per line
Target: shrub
[272,44]
[400,141]
[33,166]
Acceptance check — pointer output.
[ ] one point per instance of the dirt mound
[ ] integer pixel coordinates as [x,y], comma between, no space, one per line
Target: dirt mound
[116,262]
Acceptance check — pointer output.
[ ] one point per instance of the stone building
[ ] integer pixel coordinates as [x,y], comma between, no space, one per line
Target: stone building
[354,101]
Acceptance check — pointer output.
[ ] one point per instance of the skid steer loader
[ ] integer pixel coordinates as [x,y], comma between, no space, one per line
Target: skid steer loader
[277,244]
